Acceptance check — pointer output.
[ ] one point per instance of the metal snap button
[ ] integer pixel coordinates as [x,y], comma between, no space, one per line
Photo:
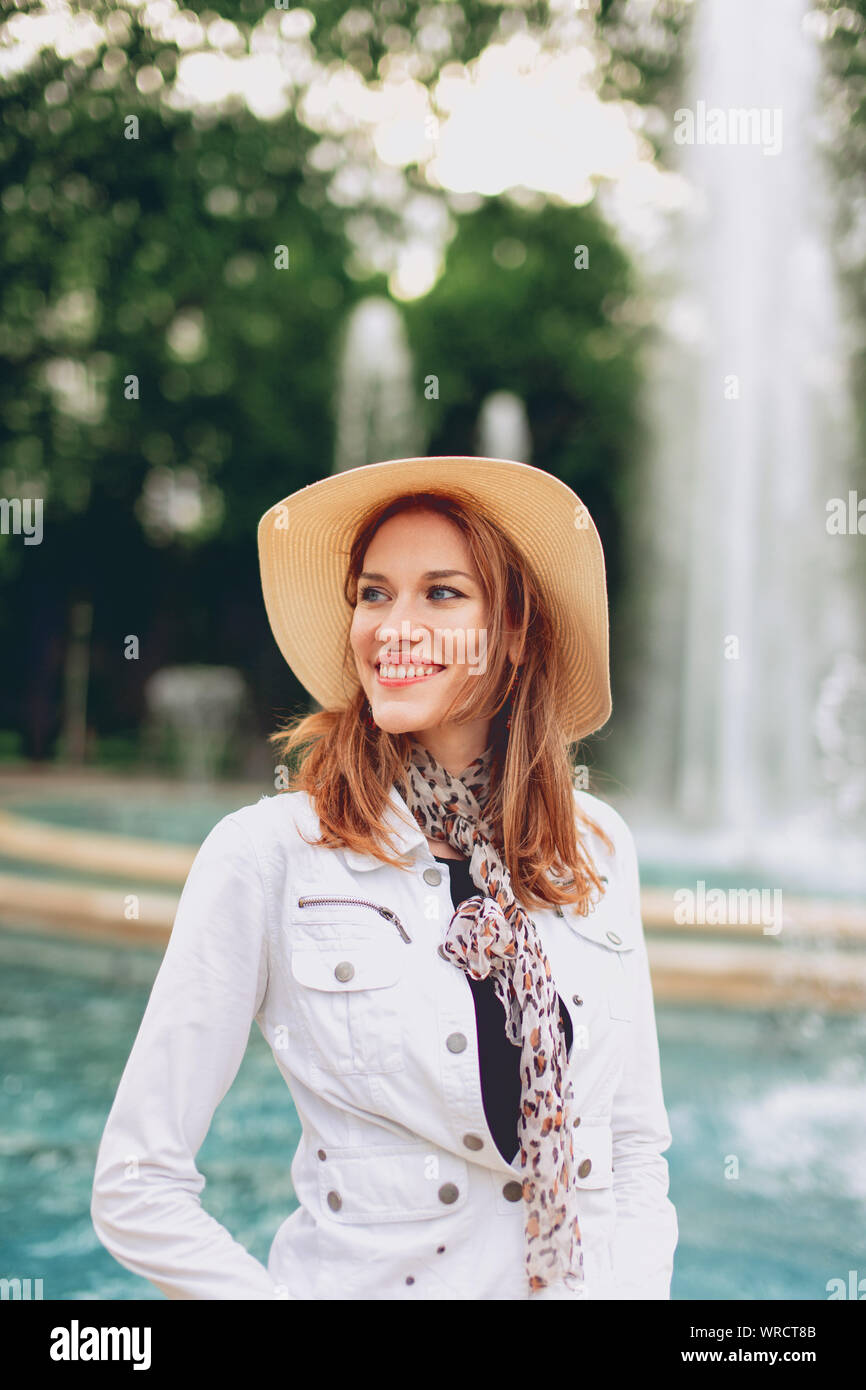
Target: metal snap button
[448,1193]
[320,1153]
[612,936]
[472,1141]
[410,1279]
[455,1042]
[584,1168]
[345,970]
[432,876]
[513,1191]
[575,1122]
[576,999]
[335,1201]
[440,1249]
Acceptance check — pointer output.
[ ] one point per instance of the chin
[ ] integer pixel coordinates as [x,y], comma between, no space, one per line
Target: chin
[404,721]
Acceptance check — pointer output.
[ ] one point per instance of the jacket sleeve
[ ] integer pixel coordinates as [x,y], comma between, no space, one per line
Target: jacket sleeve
[646,1229]
[145,1206]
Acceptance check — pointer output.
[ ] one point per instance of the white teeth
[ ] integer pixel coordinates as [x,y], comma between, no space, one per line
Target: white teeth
[393,673]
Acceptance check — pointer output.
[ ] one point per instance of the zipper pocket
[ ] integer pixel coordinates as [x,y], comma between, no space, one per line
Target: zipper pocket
[360,902]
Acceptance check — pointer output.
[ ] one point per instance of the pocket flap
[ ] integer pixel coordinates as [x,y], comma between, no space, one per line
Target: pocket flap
[606,925]
[593,1146]
[344,968]
[391,1183]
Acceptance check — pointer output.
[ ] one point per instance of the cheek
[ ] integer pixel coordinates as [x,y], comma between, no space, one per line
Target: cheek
[360,633]
[478,633]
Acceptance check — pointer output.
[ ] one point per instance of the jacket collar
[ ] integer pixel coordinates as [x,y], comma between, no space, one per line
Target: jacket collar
[406,834]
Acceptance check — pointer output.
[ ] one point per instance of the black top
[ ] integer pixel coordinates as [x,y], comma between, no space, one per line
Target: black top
[499,1059]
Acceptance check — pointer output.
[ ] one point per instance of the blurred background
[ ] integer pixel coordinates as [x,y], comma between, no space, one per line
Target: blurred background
[244,247]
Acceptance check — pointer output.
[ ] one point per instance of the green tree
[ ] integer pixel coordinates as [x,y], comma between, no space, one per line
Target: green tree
[150,330]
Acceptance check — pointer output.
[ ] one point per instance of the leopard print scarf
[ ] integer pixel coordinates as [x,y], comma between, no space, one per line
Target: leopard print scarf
[491,932]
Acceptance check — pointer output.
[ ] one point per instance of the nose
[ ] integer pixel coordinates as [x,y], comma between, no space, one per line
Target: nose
[402,639]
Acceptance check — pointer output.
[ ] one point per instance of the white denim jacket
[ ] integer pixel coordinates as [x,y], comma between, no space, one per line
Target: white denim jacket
[403,1193]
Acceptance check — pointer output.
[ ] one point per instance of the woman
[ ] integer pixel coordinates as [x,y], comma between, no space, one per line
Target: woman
[439,937]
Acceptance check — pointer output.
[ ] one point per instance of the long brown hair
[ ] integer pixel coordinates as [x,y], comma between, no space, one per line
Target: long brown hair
[349,767]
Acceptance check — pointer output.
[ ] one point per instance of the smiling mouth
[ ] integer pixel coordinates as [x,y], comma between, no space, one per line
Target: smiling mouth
[394,675]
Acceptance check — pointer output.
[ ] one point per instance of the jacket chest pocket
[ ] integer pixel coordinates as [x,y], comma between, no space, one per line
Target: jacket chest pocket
[614,958]
[347,998]
[621,992]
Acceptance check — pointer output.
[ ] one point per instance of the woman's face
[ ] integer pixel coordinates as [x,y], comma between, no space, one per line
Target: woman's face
[419,631]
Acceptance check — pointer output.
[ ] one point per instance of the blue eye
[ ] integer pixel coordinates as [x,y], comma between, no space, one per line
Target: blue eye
[368,589]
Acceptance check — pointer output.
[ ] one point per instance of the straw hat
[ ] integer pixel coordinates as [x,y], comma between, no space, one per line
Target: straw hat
[304,544]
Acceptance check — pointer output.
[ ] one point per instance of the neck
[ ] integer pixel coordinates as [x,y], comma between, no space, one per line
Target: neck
[455,749]
[440,849]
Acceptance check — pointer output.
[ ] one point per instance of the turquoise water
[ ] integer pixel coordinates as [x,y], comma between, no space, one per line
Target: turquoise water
[780,1094]
[69,1012]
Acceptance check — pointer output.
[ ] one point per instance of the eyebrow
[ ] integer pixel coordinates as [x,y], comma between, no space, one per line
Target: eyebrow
[431,574]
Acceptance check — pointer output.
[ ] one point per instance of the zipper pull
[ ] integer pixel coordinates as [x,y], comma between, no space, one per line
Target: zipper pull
[392,917]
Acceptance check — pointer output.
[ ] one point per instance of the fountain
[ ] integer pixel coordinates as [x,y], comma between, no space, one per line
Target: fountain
[200,705]
[377,416]
[503,428]
[746,704]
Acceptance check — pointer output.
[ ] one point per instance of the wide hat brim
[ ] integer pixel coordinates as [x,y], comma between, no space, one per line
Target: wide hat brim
[304,544]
